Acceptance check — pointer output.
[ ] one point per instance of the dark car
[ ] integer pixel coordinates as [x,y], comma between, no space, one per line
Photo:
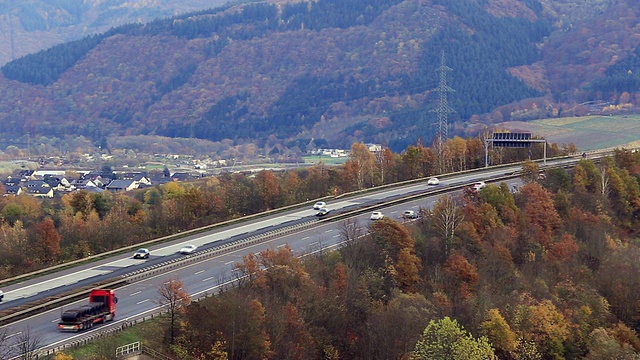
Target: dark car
[141,254]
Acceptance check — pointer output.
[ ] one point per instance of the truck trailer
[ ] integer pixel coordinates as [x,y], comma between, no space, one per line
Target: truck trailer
[100,309]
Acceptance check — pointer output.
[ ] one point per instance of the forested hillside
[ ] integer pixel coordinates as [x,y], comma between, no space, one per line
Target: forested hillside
[327,73]
[32,25]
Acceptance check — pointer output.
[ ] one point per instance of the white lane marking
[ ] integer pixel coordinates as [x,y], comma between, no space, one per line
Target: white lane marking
[135,293]
[229,262]
[18,333]
[282,245]
[143,301]
[304,238]
[336,235]
[330,230]
[207,279]
[198,272]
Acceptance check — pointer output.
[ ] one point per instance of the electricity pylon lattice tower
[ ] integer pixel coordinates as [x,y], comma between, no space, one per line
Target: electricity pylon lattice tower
[443,110]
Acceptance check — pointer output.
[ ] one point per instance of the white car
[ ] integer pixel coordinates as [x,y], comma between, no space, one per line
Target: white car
[409,214]
[477,186]
[1,295]
[376,215]
[319,205]
[188,249]
[433,181]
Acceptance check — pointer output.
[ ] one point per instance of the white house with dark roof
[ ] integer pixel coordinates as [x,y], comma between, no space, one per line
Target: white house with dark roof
[38,188]
[122,185]
[140,178]
[82,184]
[12,190]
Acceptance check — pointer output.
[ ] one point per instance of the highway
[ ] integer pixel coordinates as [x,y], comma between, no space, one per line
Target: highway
[139,299]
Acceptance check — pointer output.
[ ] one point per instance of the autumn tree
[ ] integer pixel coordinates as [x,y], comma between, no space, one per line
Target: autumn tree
[291,187]
[386,162]
[461,278]
[316,182]
[23,208]
[544,324]
[268,188]
[292,339]
[602,345]
[540,213]
[398,246]
[501,198]
[499,334]
[530,171]
[456,151]
[445,339]
[396,327]
[282,274]
[359,168]
[14,260]
[47,242]
[253,339]
[417,161]
[175,299]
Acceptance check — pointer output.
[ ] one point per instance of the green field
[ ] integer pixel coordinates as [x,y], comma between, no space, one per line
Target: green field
[327,160]
[586,132]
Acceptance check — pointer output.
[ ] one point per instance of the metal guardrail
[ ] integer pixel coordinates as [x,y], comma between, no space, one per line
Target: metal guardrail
[133,348]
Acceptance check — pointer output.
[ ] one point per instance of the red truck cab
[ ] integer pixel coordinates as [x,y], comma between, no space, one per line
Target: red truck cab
[100,309]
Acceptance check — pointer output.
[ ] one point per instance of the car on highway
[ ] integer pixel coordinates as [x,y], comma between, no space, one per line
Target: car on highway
[188,249]
[409,214]
[1,295]
[376,215]
[433,181]
[323,212]
[319,205]
[141,254]
[477,186]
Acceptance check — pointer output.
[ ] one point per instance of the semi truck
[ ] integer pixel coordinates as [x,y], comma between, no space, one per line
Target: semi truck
[100,309]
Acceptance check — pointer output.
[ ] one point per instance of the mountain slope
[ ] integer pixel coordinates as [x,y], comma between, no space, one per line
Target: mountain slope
[32,25]
[331,71]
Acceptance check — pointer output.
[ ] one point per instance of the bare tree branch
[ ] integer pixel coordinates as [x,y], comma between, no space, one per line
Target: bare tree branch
[27,344]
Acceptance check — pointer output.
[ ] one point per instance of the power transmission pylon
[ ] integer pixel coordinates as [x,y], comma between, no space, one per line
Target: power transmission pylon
[443,109]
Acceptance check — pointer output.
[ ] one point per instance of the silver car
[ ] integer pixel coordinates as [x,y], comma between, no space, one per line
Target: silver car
[188,249]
